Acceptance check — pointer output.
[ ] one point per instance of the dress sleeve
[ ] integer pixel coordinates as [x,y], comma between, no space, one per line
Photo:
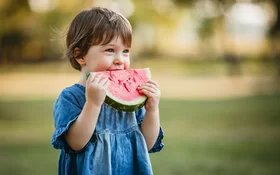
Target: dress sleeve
[66,111]
[140,114]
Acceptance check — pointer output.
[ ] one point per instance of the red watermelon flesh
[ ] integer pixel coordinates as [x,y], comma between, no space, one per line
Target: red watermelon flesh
[122,93]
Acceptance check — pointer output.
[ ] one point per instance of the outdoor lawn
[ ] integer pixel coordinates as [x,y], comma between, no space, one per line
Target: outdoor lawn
[202,137]
[216,62]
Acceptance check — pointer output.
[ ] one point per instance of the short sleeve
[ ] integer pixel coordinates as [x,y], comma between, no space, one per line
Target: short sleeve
[140,114]
[66,110]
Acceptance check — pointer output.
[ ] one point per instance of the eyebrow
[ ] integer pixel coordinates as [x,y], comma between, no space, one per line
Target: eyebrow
[110,44]
[106,45]
[113,45]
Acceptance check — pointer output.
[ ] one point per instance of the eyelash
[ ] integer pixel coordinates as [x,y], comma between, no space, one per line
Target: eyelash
[109,50]
[126,51]
[112,50]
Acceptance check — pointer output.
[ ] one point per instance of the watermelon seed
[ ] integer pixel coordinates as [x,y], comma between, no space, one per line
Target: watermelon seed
[128,80]
[134,80]
[124,84]
[120,82]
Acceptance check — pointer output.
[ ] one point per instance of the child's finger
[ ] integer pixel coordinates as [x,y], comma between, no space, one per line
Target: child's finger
[153,82]
[104,82]
[149,91]
[150,87]
[90,78]
[146,92]
[97,78]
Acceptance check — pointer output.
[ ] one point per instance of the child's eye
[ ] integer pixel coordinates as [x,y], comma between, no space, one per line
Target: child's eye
[126,51]
[109,50]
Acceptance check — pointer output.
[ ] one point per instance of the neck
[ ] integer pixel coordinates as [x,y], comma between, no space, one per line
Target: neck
[82,80]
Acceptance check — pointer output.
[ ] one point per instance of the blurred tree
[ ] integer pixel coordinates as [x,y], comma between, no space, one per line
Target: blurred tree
[28,35]
[12,35]
[152,21]
[206,26]
[275,37]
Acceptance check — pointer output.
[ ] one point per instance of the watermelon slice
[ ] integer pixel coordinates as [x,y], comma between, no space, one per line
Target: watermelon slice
[122,93]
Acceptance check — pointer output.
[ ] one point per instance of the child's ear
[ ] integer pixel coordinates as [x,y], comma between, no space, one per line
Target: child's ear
[80,60]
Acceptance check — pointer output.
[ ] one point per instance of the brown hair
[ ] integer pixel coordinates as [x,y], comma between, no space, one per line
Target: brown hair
[95,26]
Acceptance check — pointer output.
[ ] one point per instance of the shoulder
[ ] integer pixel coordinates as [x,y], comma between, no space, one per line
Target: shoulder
[75,89]
[73,94]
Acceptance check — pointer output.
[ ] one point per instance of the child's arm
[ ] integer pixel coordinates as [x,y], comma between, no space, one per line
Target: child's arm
[150,125]
[82,129]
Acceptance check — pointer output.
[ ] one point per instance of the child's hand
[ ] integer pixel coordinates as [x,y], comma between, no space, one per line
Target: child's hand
[96,87]
[152,91]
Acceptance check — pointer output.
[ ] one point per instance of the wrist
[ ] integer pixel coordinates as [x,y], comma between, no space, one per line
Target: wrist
[92,104]
[152,111]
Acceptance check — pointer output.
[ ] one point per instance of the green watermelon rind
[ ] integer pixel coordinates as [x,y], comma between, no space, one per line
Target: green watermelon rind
[125,106]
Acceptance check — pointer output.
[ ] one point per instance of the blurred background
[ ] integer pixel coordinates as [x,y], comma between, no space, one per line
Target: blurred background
[217,61]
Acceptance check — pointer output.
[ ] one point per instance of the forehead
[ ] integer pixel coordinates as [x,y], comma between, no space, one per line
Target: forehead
[115,39]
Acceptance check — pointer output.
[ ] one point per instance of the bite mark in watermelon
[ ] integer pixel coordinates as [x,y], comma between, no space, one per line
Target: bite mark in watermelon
[122,93]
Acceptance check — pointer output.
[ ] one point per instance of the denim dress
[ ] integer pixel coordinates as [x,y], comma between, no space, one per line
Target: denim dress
[117,147]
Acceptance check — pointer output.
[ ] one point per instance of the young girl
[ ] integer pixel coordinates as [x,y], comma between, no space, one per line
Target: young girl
[93,137]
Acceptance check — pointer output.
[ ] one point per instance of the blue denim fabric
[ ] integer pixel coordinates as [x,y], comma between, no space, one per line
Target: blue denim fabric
[117,146]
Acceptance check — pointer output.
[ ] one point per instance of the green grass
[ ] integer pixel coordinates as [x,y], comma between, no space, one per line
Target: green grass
[236,136]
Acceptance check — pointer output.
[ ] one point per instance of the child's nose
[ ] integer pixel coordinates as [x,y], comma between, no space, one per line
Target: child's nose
[118,60]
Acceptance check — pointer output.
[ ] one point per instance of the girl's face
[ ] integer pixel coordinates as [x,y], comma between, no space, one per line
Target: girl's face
[112,56]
